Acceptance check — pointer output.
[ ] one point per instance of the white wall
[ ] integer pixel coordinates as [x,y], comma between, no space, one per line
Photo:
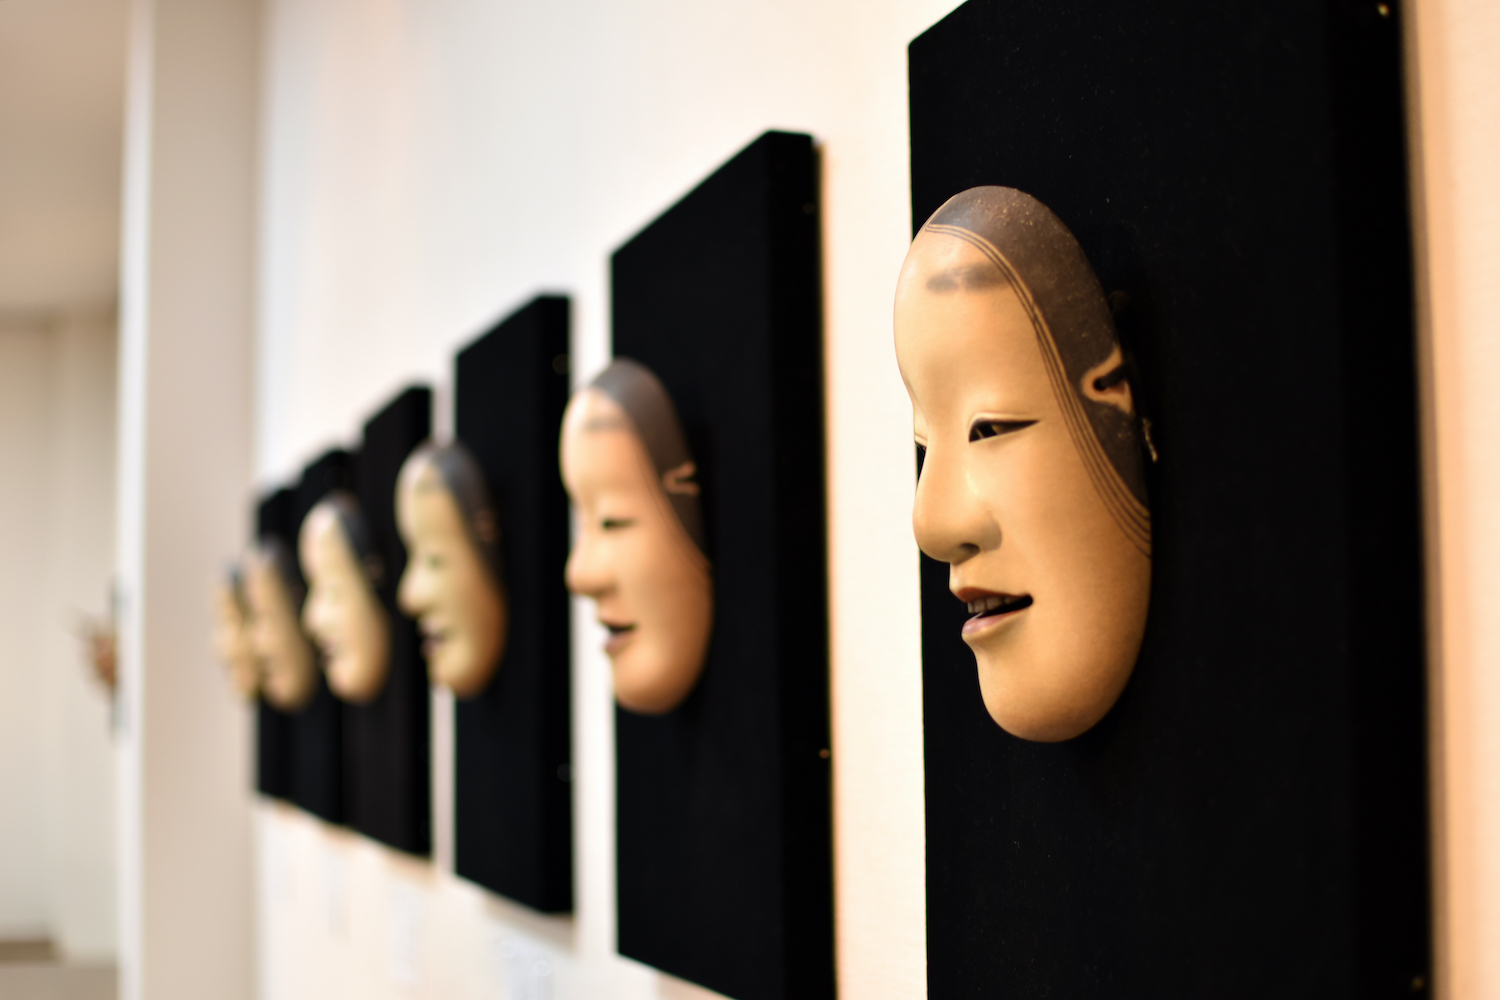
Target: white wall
[57,425]
[428,166]
[183,487]
[80,800]
[25,370]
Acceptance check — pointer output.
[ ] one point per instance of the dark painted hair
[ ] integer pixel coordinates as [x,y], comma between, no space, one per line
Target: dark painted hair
[279,555]
[356,528]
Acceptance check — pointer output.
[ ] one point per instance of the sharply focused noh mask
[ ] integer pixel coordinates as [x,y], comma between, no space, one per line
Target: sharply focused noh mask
[343,613]
[285,656]
[453,583]
[231,636]
[639,548]
[1032,483]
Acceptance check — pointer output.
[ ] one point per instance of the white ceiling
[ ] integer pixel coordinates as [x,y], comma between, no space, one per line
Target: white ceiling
[62,65]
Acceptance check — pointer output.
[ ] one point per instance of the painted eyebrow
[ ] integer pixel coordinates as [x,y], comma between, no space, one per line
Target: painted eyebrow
[594,424]
[968,277]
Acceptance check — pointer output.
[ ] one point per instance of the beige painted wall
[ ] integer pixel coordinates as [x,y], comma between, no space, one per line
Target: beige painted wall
[61,86]
[186,922]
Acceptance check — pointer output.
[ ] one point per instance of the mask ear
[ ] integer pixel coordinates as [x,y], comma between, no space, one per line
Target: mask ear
[680,480]
[1150,444]
[1108,382]
[485,527]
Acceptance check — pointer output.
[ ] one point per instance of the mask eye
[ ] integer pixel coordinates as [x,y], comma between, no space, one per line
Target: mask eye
[996,428]
[921,458]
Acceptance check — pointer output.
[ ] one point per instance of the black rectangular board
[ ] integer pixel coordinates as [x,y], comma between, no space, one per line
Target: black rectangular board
[1250,819]
[723,812]
[317,742]
[387,784]
[273,513]
[301,752]
[513,803]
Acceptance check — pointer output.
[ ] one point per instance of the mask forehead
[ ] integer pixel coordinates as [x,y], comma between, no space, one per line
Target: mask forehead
[963,341]
[1038,256]
[603,458]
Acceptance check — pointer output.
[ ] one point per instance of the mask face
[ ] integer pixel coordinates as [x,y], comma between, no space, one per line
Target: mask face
[276,637]
[343,614]
[447,587]
[632,555]
[1057,591]
[232,641]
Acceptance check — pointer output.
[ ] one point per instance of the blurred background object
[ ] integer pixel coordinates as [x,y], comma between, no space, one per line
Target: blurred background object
[100,637]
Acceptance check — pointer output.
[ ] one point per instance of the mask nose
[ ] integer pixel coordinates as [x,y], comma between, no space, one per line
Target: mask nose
[587,573]
[949,517]
[312,610]
[411,591]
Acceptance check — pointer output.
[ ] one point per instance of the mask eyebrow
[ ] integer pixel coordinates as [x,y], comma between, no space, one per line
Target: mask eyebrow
[595,424]
[968,277]
[428,480]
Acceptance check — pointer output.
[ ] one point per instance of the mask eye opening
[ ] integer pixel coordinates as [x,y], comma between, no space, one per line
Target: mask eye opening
[982,429]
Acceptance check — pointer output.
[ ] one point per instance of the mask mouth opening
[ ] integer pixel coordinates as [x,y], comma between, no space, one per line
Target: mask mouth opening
[998,604]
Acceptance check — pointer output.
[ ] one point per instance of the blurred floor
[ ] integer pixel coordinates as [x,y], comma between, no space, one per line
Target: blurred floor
[29,970]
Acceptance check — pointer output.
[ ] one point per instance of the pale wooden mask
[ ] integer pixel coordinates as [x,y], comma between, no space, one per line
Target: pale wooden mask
[231,638]
[287,663]
[1032,482]
[636,553]
[452,584]
[343,613]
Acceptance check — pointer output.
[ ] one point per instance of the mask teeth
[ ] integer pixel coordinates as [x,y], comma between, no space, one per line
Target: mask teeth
[1002,602]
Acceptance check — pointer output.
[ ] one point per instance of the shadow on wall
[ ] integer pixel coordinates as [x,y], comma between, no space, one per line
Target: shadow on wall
[30,970]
